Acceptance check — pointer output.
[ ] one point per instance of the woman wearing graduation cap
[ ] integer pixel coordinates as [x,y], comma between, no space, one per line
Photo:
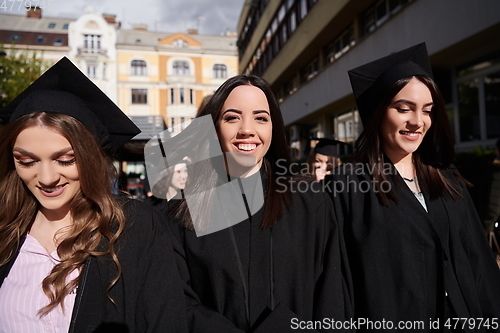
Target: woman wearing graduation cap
[73,257]
[325,158]
[417,253]
[263,255]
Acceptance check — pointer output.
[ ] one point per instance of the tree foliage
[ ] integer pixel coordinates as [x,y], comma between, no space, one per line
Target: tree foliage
[17,71]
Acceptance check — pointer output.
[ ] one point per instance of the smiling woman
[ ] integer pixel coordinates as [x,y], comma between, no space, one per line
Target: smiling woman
[50,173]
[245,128]
[416,247]
[73,256]
[283,259]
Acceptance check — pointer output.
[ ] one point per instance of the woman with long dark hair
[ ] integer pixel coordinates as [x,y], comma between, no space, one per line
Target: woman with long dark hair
[259,252]
[417,252]
[74,257]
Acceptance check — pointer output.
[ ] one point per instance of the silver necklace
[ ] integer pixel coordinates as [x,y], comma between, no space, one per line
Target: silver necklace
[410,180]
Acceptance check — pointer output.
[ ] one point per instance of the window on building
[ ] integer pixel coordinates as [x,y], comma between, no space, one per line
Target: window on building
[369,21]
[378,13]
[40,39]
[139,96]
[252,20]
[91,69]
[302,9]
[51,25]
[478,89]
[340,45]
[172,96]
[284,34]
[220,71]
[290,86]
[104,67]
[347,128]
[191,96]
[281,13]
[138,67]
[172,123]
[309,71]
[65,26]
[58,42]
[293,21]
[469,110]
[182,123]
[181,68]
[395,5]
[91,43]
[285,22]
[181,95]
[492,104]
[15,37]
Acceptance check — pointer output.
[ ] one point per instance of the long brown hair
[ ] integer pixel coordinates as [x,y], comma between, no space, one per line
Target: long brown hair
[96,215]
[434,155]
[277,157]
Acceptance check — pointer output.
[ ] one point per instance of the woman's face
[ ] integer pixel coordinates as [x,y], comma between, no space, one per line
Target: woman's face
[245,127]
[45,161]
[320,166]
[180,176]
[407,120]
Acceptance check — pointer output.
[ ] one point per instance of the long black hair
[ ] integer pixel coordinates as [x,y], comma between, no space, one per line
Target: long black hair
[434,155]
[278,156]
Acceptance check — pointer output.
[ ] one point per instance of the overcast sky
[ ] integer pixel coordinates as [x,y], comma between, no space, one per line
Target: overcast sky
[211,17]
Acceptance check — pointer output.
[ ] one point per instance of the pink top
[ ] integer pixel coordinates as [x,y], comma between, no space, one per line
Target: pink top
[21,294]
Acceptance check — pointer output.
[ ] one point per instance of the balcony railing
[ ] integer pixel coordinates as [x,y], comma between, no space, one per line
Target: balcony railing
[88,50]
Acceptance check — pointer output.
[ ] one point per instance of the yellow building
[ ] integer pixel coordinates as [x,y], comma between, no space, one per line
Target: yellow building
[159,79]
[170,74]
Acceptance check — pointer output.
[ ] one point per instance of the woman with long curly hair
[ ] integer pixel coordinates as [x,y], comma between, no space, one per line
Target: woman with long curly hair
[73,256]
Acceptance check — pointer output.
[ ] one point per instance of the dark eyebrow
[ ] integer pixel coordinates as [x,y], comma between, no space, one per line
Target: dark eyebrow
[260,111]
[62,151]
[30,154]
[240,112]
[23,152]
[232,110]
[410,102]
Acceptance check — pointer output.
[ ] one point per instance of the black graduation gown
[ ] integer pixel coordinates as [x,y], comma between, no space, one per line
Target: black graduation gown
[148,295]
[403,259]
[306,271]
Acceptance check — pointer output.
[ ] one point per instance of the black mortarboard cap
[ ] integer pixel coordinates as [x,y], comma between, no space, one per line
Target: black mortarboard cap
[370,82]
[328,147]
[63,88]
[331,147]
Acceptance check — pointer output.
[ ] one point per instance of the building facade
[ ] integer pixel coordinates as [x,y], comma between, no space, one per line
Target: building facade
[158,79]
[304,49]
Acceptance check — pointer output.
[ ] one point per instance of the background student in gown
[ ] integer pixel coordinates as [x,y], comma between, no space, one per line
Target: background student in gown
[169,190]
[283,261]
[416,247]
[324,158]
[74,257]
